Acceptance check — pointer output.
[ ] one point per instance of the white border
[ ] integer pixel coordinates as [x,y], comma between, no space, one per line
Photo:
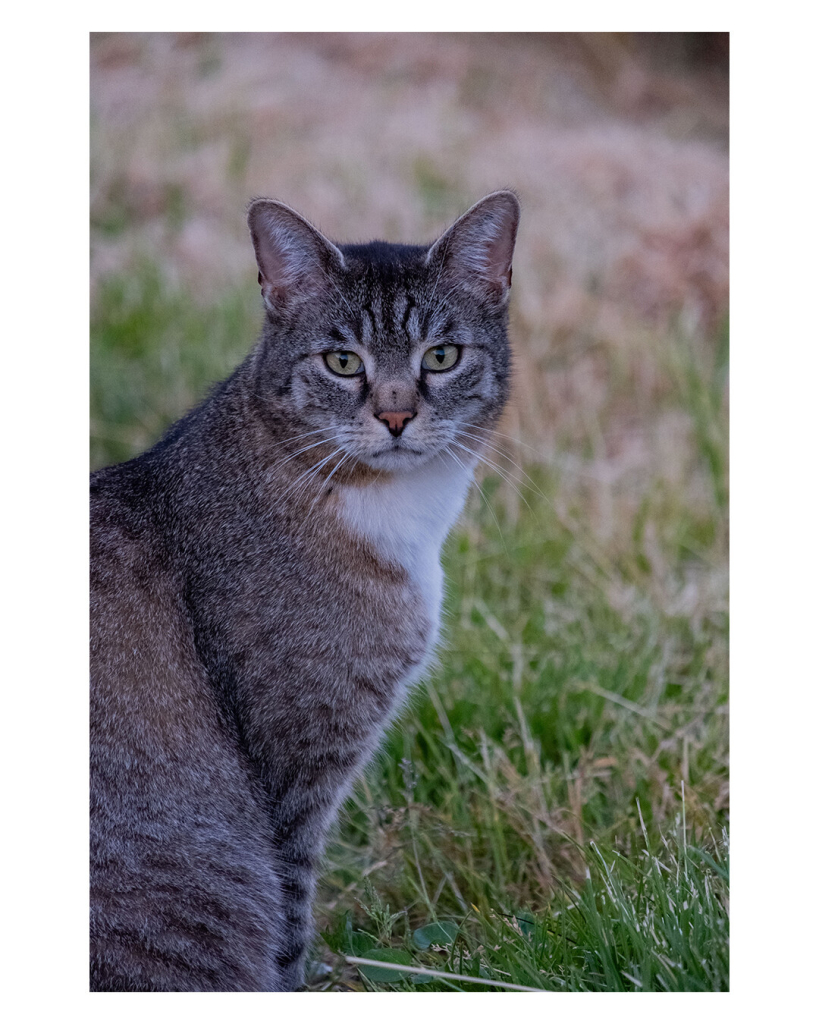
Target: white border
[773,523]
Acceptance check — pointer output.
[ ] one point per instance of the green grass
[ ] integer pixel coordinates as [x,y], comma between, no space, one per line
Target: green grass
[555,797]
[654,923]
[558,792]
[153,356]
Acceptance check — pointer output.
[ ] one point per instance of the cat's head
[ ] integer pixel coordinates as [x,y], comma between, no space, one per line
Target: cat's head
[393,353]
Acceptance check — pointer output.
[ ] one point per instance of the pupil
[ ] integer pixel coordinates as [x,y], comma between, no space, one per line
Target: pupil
[343,359]
[440,355]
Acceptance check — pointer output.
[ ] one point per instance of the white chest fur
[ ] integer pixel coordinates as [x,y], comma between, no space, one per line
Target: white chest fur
[406,518]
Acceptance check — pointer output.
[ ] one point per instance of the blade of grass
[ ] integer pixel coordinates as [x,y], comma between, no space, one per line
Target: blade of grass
[439,974]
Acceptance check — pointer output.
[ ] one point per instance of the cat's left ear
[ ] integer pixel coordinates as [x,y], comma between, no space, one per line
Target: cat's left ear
[476,252]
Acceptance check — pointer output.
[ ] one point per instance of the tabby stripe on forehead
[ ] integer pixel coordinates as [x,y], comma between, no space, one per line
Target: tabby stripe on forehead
[407,311]
[368,309]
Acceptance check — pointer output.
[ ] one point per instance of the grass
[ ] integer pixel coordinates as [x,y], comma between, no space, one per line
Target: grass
[558,793]
[657,923]
[154,354]
[551,809]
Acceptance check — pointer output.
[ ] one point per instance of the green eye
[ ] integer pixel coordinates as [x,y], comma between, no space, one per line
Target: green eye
[345,364]
[442,357]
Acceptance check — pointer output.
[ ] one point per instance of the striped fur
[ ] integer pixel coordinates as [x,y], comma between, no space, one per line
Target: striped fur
[266,587]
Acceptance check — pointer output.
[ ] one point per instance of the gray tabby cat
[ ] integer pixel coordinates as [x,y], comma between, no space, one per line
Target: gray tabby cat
[266,588]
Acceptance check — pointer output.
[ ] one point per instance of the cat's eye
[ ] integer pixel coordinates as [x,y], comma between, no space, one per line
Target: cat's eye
[345,364]
[441,357]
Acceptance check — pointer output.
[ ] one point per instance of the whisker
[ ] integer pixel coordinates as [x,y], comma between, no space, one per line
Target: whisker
[305,478]
[549,460]
[316,444]
[307,433]
[439,300]
[316,470]
[299,437]
[265,399]
[488,462]
[344,457]
[483,497]
[428,304]
[342,295]
[585,542]
[503,455]
[509,437]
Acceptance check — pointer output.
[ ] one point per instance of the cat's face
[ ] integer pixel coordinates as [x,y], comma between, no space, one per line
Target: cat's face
[392,354]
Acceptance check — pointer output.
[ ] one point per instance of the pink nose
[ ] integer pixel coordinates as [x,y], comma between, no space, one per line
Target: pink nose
[396,421]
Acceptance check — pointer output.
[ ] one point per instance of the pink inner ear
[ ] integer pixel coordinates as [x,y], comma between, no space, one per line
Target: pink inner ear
[478,248]
[498,254]
[291,254]
[282,260]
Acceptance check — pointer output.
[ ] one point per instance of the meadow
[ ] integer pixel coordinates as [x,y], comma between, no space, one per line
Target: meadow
[551,810]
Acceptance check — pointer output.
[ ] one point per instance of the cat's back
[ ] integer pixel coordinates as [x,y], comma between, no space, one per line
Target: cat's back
[133,598]
[183,895]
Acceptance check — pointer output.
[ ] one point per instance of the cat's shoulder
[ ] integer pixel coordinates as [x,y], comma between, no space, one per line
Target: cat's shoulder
[126,545]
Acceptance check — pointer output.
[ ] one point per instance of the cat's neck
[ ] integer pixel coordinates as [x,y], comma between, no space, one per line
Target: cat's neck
[404,514]
[404,519]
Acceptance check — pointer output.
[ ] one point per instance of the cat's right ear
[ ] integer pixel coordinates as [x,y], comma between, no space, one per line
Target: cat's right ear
[476,252]
[295,260]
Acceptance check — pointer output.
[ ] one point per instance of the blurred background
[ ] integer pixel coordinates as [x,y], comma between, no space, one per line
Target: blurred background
[590,575]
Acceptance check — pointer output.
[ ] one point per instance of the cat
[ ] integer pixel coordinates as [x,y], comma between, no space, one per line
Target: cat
[266,589]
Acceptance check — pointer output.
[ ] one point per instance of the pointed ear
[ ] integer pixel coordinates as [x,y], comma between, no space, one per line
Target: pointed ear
[295,259]
[476,252]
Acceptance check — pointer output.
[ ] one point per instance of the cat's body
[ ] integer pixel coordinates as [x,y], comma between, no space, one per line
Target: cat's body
[266,587]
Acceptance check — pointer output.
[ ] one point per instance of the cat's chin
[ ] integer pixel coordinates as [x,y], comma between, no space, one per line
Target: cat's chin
[398,459]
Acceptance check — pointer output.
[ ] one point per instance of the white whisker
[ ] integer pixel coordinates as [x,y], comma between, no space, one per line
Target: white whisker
[299,437]
[509,437]
[485,500]
[344,457]
[503,455]
[439,300]
[488,462]
[304,479]
[316,444]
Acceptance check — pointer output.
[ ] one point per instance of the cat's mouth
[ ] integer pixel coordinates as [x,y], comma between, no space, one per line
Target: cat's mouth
[397,447]
[396,456]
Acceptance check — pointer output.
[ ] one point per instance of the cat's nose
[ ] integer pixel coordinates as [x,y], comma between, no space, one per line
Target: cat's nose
[396,421]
